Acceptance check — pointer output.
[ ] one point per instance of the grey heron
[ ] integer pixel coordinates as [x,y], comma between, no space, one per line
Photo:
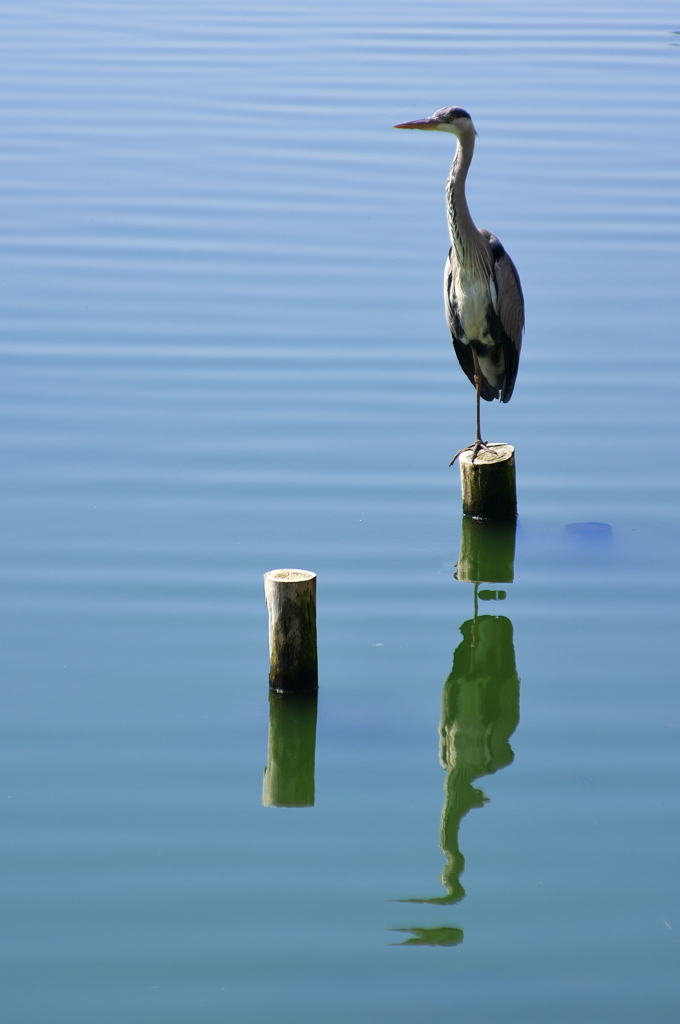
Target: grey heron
[482,291]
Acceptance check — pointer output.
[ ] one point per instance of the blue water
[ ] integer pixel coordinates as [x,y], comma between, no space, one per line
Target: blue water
[224,351]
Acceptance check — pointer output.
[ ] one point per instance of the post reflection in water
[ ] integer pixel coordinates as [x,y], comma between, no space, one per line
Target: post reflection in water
[289,775]
[480,705]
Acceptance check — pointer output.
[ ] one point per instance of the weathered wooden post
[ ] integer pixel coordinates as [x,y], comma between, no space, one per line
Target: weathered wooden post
[488,483]
[289,775]
[291,599]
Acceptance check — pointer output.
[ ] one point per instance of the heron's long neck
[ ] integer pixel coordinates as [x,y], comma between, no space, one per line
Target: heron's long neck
[465,238]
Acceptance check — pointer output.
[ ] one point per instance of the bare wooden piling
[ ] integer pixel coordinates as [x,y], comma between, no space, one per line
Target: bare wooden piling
[488,484]
[291,600]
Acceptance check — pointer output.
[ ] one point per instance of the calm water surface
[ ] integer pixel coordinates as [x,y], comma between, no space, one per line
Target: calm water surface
[224,351]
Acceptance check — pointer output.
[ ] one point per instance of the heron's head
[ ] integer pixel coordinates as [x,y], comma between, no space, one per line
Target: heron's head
[448,119]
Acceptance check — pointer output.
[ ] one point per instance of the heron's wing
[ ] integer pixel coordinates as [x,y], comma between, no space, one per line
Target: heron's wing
[462,350]
[510,310]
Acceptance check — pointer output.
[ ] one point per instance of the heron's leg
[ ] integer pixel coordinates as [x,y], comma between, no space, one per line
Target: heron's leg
[478,445]
[478,389]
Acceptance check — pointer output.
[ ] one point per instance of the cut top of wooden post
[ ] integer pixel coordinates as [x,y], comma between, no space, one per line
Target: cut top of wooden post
[500,453]
[289,575]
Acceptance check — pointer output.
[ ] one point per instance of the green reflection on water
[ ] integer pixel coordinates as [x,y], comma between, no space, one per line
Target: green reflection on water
[289,775]
[487,551]
[431,936]
[480,712]
[480,706]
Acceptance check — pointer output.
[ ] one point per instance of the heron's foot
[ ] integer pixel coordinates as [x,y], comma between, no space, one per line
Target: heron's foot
[476,448]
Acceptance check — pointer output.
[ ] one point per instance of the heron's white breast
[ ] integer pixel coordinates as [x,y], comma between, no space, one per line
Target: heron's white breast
[472,297]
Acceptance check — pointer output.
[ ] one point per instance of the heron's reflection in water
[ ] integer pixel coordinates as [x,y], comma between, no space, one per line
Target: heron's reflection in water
[480,712]
[480,705]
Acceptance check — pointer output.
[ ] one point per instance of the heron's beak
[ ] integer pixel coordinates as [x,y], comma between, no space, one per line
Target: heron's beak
[426,124]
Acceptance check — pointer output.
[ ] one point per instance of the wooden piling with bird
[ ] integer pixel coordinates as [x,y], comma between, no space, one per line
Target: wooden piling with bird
[488,482]
[291,601]
[484,308]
